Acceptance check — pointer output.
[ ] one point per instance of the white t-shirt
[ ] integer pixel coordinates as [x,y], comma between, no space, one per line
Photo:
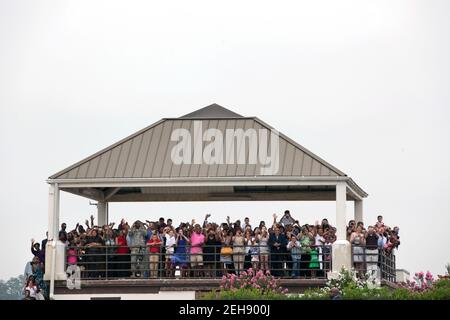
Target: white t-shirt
[170,242]
[33,291]
[319,240]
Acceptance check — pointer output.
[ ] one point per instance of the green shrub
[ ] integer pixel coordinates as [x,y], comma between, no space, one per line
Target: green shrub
[243,294]
[350,288]
[249,285]
[315,294]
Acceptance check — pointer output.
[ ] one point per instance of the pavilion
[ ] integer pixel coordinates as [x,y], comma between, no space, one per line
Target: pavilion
[141,168]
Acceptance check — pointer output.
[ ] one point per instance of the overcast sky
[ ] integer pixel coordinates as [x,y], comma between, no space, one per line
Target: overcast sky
[363,84]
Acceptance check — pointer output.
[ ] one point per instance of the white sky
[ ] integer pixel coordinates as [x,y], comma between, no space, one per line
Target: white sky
[363,84]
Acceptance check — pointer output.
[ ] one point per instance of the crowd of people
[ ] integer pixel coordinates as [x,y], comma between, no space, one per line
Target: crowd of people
[367,243]
[152,249]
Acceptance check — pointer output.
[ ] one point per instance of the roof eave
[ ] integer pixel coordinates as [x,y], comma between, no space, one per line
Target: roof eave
[79,163]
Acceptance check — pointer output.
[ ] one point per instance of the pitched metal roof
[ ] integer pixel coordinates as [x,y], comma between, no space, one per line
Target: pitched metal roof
[146,154]
[212,111]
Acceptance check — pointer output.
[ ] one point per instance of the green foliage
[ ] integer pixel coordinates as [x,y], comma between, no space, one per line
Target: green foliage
[243,294]
[354,293]
[351,291]
[440,291]
[316,294]
[249,285]
[12,289]
[400,294]
[346,284]
[250,279]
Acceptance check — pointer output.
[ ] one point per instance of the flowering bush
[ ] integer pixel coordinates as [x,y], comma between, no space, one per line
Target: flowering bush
[348,286]
[249,285]
[422,282]
[349,278]
[252,285]
[264,283]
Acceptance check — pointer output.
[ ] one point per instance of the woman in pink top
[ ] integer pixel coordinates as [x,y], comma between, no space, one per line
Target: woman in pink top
[197,241]
[72,254]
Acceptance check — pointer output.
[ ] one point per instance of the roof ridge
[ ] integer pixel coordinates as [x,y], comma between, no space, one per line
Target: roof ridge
[212,111]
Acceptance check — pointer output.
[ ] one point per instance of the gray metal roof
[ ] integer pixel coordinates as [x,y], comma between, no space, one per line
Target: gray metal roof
[212,111]
[147,153]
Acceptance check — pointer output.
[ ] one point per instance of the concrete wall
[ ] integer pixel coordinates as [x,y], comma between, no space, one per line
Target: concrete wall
[162,295]
[401,275]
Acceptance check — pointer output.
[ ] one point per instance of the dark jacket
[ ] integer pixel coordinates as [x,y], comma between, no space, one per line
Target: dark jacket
[281,239]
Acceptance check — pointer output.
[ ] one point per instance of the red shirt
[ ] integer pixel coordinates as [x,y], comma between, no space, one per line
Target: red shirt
[156,245]
[122,243]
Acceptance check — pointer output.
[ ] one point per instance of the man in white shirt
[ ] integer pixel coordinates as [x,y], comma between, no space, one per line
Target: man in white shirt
[170,249]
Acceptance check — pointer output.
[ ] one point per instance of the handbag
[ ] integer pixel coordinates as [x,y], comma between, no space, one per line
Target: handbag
[226,251]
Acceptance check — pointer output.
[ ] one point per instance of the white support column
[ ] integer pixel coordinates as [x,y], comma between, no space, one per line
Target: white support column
[51,232]
[341,248]
[55,249]
[56,225]
[51,212]
[102,213]
[359,211]
[341,208]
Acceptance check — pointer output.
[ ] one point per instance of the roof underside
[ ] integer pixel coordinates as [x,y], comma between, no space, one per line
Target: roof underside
[147,154]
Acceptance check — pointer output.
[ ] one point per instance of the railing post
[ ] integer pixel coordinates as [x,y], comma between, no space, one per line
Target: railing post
[106,263]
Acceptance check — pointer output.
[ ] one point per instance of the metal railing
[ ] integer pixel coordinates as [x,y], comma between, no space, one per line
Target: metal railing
[104,262]
[374,261]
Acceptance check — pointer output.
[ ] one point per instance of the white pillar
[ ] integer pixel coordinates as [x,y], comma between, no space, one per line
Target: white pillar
[51,212]
[55,249]
[359,211]
[102,213]
[341,208]
[341,255]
